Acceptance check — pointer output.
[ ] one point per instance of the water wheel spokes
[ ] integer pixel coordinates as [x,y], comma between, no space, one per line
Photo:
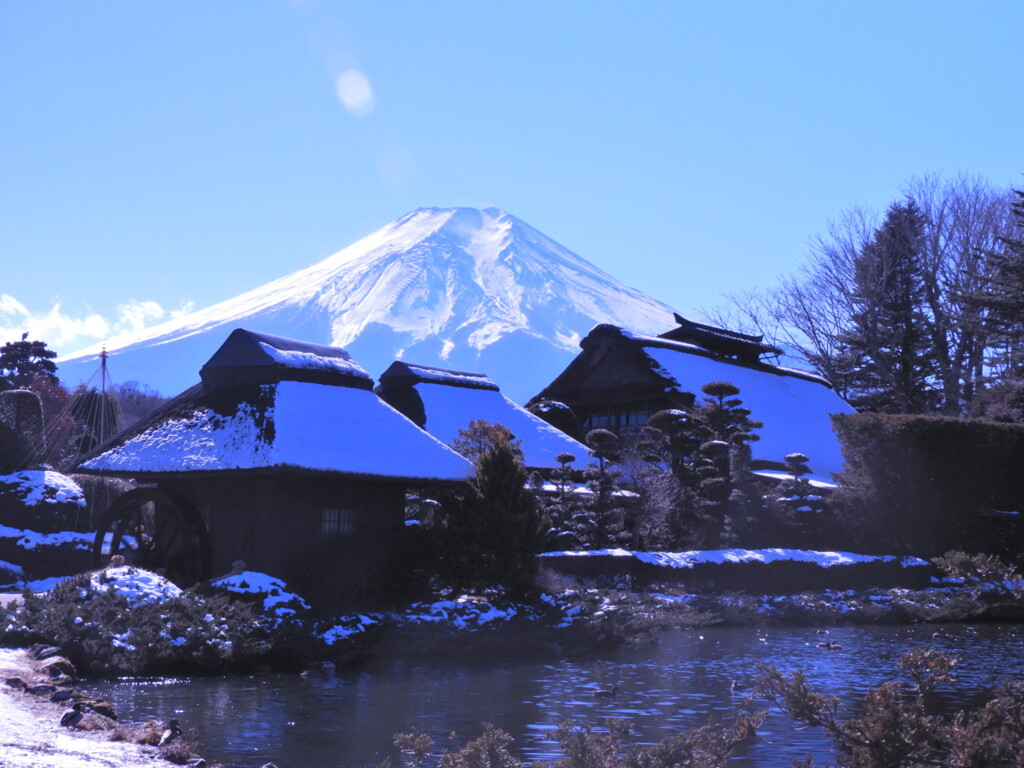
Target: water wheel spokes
[157,530]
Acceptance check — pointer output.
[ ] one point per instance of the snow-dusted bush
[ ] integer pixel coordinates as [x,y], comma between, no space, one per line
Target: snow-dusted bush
[127,620]
[267,595]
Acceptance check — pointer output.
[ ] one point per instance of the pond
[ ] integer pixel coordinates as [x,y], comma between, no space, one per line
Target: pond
[679,680]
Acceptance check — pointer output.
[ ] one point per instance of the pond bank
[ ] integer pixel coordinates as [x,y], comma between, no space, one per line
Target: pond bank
[31,735]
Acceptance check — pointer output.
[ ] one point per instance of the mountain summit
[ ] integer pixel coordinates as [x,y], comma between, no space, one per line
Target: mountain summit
[461,288]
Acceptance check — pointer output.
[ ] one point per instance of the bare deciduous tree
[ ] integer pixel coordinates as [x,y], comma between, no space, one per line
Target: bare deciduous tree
[810,312]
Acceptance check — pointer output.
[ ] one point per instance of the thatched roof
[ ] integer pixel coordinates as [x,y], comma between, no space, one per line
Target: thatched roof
[794,405]
[272,404]
[443,402]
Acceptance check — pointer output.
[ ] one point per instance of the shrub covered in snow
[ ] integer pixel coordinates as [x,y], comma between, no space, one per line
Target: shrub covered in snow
[41,500]
[267,595]
[127,620]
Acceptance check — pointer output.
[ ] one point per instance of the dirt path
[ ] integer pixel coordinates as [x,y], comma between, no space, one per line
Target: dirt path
[31,737]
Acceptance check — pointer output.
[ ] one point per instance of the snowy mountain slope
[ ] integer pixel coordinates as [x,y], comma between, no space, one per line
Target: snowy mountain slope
[454,287]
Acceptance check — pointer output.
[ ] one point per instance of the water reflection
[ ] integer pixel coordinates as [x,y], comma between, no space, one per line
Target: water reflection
[679,681]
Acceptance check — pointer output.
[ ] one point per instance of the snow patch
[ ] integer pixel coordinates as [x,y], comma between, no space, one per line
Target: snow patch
[36,487]
[139,586]
[701,557]
[308,360]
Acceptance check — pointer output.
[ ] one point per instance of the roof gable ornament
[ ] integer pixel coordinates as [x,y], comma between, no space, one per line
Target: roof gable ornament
[742,347]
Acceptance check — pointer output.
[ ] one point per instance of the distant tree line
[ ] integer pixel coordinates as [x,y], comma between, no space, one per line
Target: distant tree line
[69,423]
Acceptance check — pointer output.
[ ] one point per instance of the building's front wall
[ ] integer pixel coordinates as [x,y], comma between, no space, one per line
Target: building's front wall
[329,538]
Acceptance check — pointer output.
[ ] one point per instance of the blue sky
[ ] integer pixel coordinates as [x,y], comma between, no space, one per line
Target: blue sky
[161,155]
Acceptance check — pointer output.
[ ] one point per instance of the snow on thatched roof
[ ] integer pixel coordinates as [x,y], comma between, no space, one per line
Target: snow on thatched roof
[293,425]
[410,373]
[795,406]
[247,357]
[244,418]
[452,399]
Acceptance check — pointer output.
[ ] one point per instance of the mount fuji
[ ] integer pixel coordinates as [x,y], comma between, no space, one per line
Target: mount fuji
[461,288]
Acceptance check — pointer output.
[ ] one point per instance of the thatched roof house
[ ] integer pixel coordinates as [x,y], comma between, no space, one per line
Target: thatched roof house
[285,457]
[443,402]
[621,378]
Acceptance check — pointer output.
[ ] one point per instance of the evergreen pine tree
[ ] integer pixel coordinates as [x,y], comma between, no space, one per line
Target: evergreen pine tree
[888,348]
[493,536]
[801,502]
[21,361]
[571,523]
[603,482]
[708,454]
[1001,301]
[727,500]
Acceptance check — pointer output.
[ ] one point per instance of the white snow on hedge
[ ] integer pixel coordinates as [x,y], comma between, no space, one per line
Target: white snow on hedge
[449,409]
[703,557]
[308,426]
[138,585]
[795,409]
[27,539]
[772,475]
[276,597]
[36,486]
[348,628]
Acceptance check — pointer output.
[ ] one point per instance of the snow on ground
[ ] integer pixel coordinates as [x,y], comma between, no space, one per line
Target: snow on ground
[465,612]
[139,586]
[34,487]
[692,558]
[31,737]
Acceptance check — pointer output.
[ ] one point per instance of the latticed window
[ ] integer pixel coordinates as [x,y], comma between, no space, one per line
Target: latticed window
[338,521]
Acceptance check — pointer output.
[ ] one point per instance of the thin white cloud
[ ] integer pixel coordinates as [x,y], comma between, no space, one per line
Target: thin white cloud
[355,92]
[134,316]
[11,307]
[65,333]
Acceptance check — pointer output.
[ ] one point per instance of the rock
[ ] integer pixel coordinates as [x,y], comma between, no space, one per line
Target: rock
[57,666]
[41,689]
[40,651]
[64,694]
[100,707]
[16,683]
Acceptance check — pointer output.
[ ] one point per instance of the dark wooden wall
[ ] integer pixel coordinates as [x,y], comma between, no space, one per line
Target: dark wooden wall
[275,524]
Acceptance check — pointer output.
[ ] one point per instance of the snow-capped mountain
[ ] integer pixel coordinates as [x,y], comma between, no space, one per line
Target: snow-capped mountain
[476,290]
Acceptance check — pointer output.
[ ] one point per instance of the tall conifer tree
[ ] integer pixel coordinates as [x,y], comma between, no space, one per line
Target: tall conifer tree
[888,341]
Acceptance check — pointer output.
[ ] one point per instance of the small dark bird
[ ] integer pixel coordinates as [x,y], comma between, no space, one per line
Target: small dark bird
[607,693]
[173,732]
[831,646]
[73,716]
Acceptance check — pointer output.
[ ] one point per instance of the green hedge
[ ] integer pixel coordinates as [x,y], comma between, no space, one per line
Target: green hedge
[925,484]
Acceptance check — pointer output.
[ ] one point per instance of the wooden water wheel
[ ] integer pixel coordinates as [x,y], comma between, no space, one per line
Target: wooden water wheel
[155,529]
